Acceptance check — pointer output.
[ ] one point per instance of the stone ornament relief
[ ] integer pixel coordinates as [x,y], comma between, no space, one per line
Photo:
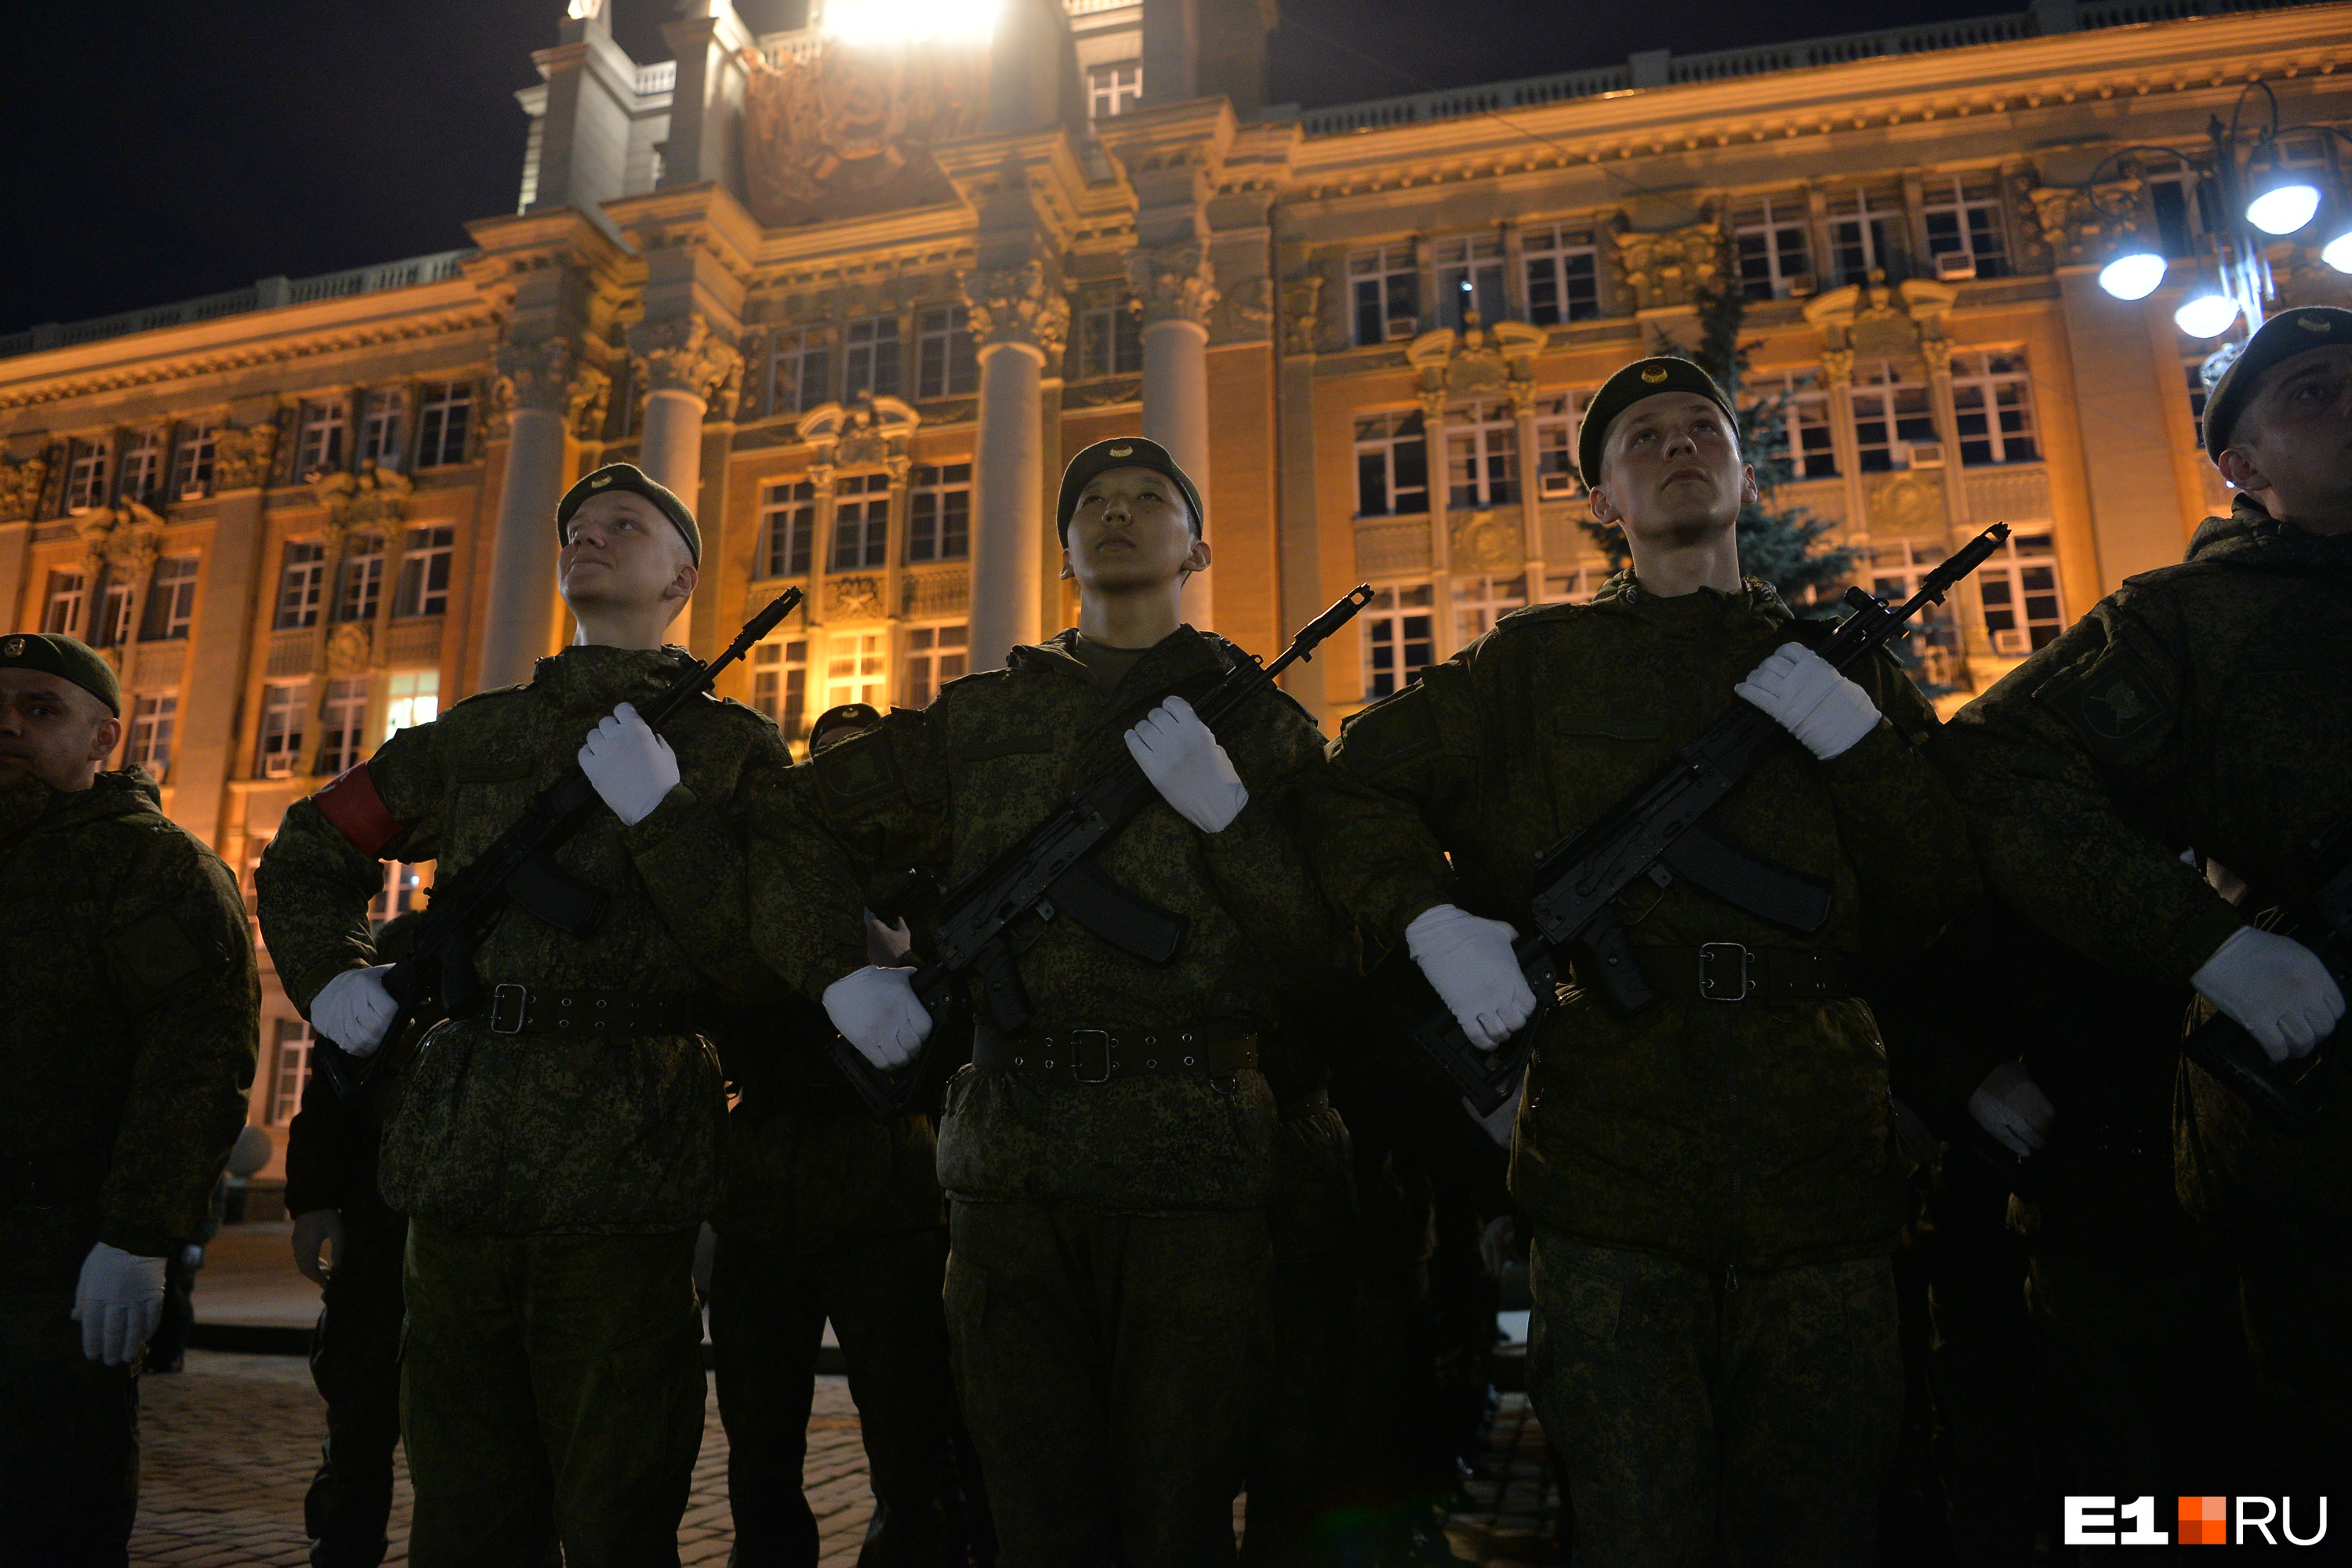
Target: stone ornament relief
[20,489]
[1245,313]
[371,501]
[1484,543]
[1496,360]
[683,354]
[849,130]
[1302,313]
[241,456]
[1668,267]
[2076,225]
[1019,305]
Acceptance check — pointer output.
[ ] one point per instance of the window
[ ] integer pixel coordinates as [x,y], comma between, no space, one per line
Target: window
[301,584]
[191,461]
[1480,602]
[86,476]
[861,522]
[61,604]
[854,673]
[412,697]
[787,524]
[1400,638]
[1896,573]
[1482,455]
[1965,220]
[939,513]
[935,656]
[112,626]
[1992,403]
[797,366]
[2175,199]
[424,571]
[318,437]
[1470,278]
[441,418]
[152,714]
[1111,339]
[290,1070]
[1383,287]
[1113,89]
[1558,418]
[380,427]
[1563,275]
[1576,588]
[140,476]
[869,358]
[1812,449]
[947,363]
[1391,465]
[2019,585]
[403,890]
[1889,413]
[171,600]
[780,684]
[343,724]
[279,745]
[361,586]
[1775,262]
[1865,237]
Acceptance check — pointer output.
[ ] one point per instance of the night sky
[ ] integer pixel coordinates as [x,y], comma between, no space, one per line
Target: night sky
[171,151]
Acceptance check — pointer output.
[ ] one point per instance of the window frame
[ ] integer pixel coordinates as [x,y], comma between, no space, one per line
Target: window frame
[1973,375]
[1766,222]
[866,497]
[940,484]
[1386,443]
[930,658]
[301,584]
[1483,435]
[147,734]
[1481,260]
[1963,206]
[445,415]
[278,728]
[947,361]
[427,564]
[788,506]
[343,724]
[775,692]
[1553,295]
[320,430]
[863,363]
[1379,278]
[169,612]
[1388,625]
[1114,88]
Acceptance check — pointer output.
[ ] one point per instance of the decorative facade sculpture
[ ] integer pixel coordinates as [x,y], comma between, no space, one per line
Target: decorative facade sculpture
[1018,305]
[241,456]
[849,130]
[1174,282]
[683,354]
[20,488]
[1668,267]
[2076,222]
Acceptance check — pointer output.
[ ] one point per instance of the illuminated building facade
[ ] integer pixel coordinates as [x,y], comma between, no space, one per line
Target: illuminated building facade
[860,295]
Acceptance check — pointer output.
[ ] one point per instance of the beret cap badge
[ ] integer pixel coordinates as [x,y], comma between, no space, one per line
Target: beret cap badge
[1655,374]
[2311,323]
[14,648]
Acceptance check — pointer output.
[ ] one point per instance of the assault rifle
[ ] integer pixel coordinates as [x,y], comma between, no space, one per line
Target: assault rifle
[518,869]
[992,917]
[2294,1092]
[1656,836]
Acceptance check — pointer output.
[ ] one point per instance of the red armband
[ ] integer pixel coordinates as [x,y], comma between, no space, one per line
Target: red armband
[358,813]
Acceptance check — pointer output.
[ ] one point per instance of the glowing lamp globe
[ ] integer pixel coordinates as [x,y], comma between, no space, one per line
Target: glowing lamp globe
[2337,252]
[2206,316]
[2282,200]
[2133,277]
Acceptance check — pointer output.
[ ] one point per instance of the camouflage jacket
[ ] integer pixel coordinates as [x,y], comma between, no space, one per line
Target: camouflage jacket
[947,788]
[1723,1134]
[2201,706]
[127,1043]
[535,1133]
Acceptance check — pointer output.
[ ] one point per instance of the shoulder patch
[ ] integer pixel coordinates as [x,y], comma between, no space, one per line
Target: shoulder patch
[2115,699]
[857,772]
[1390,733]
[155,953]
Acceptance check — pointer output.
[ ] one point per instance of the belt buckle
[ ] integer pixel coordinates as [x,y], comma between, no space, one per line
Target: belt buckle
[507,1001]
[1709,988]
[1083,1046]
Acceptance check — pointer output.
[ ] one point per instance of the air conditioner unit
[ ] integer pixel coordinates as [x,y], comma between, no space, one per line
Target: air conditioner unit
[1556,485]
[193,491]
[1956,266]
[2012,644]
[1803,286]
[1924,454]
[1403,327]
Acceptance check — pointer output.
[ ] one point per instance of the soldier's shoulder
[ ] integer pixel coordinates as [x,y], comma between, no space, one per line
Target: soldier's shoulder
[483,703]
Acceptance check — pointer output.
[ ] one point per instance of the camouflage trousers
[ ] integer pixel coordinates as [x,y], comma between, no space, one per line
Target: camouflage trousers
[1108,1364]
[68,1439]
[546,1374]
[1705,1420]
[355,1363]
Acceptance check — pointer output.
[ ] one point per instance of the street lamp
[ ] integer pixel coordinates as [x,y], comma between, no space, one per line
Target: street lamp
[2208,315]
[2279,200]
[2134,275]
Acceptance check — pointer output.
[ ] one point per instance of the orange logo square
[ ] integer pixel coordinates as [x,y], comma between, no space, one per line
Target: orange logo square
[2204,1521]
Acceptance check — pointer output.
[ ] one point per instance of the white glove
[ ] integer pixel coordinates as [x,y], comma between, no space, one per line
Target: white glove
[118,1303]
[1182,758]
[2276,987]
[2012,1107]
[354,1010]
[877,1010]
[1803,694]
[631,767]
[1469,962]
[318,1244]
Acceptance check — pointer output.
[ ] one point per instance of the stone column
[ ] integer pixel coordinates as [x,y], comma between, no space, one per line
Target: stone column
[1440,527]
[1177,287]
[1019,318]
[683,366]
[535,386]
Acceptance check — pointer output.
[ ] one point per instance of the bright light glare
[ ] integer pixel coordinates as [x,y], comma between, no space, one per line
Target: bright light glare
[2339,252]
[2133,277]
[2206,316]
[871,22]
[2283,209]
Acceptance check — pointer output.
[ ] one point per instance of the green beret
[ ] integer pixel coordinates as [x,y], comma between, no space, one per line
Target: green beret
[629,476]
[1126,452]
[66,658]
[2282,337]
[1642,378]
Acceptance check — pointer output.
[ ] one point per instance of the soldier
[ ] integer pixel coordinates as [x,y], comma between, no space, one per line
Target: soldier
[1109,1166]
[123,1073]
[831,1215]
[2203,707]
[1712,1181]
[556,1149]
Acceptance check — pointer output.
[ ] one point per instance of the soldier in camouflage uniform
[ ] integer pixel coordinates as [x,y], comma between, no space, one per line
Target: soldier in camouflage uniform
[1713,1180]
[122,1083]
[2204,707]
[556,1150]
[830,1215]
[1110,1167]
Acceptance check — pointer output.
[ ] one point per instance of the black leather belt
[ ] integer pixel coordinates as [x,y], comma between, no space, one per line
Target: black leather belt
[1733,971]
[1097,1056]
[518,1009]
